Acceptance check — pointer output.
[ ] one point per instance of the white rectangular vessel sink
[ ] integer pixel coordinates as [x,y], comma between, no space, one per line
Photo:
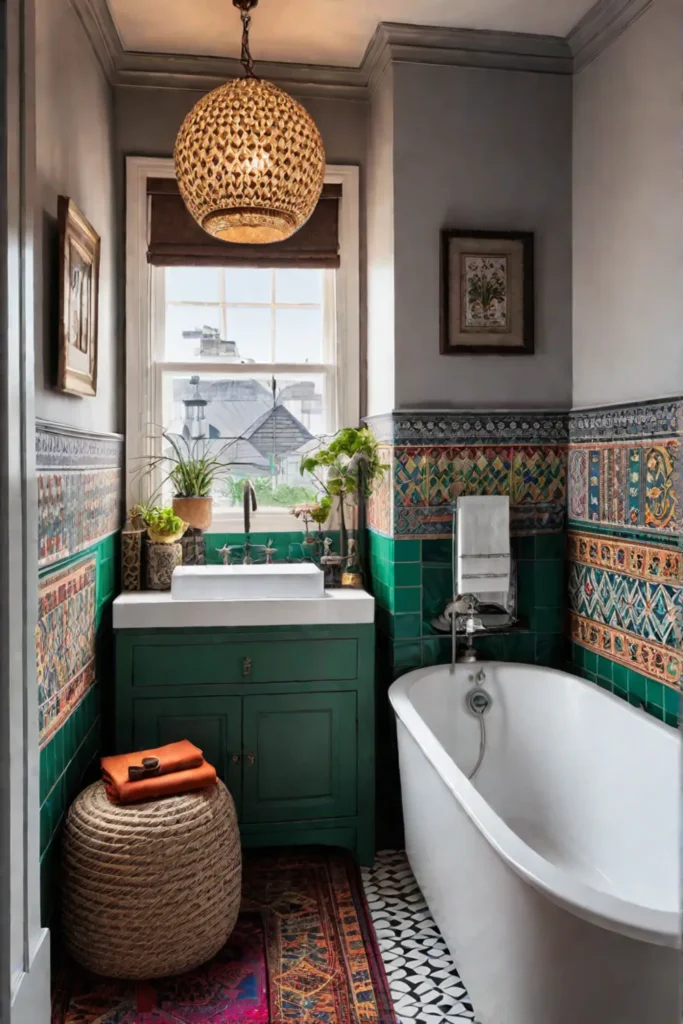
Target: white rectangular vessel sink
[247,582]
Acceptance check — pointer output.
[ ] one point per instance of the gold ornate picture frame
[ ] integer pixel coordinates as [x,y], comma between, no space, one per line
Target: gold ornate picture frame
[487,292]
[79,276]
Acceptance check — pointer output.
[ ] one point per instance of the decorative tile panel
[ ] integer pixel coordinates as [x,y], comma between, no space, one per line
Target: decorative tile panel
[628,473]
[648,562]
[410,476]
[652,660]
[626,592]
[648,419]
[65,642]
[471,428]
[380,508]
[651,610]
[79,490]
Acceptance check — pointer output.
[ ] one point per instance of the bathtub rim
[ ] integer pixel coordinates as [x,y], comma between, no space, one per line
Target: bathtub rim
[647,924]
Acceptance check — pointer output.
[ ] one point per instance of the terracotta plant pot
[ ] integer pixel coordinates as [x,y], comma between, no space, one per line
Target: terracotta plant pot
[196,512]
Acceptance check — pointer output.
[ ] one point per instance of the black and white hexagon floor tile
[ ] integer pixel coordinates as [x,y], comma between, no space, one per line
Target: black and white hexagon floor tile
[424,983]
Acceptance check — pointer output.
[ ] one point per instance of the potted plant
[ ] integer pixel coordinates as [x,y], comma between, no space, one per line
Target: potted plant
[191,467]
[346,469]
[163,525]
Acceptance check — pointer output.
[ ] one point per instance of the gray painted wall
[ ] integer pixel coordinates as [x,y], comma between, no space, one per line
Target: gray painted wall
[381,294]
[76,158]
[481,149]
[628,212]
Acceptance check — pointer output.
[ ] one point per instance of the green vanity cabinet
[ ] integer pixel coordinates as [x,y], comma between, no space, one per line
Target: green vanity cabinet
[286,714]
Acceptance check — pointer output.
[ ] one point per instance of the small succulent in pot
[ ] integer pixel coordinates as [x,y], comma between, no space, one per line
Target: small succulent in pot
[163,525]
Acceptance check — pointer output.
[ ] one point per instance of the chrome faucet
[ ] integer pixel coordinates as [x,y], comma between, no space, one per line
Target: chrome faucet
[249,505]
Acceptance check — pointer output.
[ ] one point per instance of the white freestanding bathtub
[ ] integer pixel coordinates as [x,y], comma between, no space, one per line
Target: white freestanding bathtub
[554,875]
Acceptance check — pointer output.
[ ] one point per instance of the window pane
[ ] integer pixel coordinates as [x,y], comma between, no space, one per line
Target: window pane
[259,436]
[299,335]
[299,286]
[250,329]
[193,284]
[248,284]
[188,329]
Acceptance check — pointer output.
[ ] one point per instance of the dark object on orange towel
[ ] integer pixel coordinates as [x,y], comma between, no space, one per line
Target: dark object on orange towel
[181,770]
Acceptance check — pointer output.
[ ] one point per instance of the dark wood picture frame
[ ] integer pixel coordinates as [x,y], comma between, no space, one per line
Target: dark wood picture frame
[79,278]
[524,318]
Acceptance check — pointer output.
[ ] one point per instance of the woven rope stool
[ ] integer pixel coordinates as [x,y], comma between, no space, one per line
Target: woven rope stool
[150,889]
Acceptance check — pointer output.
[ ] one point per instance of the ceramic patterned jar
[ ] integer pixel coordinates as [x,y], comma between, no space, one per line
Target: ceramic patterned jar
[162,559]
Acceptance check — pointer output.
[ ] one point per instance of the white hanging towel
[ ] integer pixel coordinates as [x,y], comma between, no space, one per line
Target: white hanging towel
[483,547]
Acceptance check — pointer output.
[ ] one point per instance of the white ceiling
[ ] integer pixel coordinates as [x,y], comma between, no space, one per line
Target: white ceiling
[321,31]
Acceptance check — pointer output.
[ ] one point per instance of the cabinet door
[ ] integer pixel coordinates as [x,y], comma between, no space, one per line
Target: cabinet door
[214,724]
[300,757]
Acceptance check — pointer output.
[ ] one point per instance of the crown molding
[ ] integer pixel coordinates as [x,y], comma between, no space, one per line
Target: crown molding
[181,71]
[600,26]
[457,47]
[398,43]
[101,31]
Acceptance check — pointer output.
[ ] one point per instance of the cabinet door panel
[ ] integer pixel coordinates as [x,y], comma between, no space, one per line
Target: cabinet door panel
[300,759]
[214,724]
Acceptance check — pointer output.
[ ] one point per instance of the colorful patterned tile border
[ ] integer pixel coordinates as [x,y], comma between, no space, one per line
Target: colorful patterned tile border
[647,419]
[435,521]
[79,490]
[626,468]
[65,642]
[653,611]
[380,510]
[652,660]
[649,562]
[471,427]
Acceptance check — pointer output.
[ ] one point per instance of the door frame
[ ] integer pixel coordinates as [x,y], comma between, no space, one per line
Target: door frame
[24,944]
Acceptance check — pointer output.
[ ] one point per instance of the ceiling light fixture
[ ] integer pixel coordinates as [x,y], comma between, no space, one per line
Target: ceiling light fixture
[249,158]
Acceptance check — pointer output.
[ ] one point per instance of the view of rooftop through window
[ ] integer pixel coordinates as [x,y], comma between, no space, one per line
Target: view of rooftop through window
[262,413]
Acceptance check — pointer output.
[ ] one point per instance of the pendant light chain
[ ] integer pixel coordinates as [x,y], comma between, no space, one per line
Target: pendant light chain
[246,59]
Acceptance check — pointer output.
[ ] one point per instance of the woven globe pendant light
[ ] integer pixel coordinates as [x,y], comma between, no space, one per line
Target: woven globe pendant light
[249,159]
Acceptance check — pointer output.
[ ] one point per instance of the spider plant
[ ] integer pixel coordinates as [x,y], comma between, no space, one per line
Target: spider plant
[190,466]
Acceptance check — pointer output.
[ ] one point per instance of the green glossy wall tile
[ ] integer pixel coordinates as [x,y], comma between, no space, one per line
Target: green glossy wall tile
[406,626]
[407,550]
[407,574]
[407,599]
[437,551]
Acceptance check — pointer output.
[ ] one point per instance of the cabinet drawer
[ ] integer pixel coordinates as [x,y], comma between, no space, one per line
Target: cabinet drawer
[279,661]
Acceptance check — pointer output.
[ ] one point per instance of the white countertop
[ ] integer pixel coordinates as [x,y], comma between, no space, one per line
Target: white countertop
[158,610]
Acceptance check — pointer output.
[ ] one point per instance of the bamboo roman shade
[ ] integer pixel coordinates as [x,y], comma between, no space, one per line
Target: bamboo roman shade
[175,238]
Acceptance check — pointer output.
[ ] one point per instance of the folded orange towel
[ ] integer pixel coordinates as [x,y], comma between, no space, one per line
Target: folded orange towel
[162,785]
[181,767]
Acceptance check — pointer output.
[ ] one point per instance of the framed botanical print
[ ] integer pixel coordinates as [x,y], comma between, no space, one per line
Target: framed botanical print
[487,292]
[79,276]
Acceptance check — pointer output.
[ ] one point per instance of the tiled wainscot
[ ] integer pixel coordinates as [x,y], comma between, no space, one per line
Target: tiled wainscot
[433,461]
[79,515]
[626,552]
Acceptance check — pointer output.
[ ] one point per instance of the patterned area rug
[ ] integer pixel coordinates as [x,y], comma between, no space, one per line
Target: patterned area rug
[303,952]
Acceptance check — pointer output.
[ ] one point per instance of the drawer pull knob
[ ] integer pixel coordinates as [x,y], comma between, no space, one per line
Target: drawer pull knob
[251,758]
[246,667]
[236,758]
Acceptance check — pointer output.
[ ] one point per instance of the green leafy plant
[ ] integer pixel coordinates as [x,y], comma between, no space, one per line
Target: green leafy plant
[160,520]
[346,469]
[191,467]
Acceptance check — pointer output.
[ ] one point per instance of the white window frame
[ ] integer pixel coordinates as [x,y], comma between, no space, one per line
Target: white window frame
[143,385]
